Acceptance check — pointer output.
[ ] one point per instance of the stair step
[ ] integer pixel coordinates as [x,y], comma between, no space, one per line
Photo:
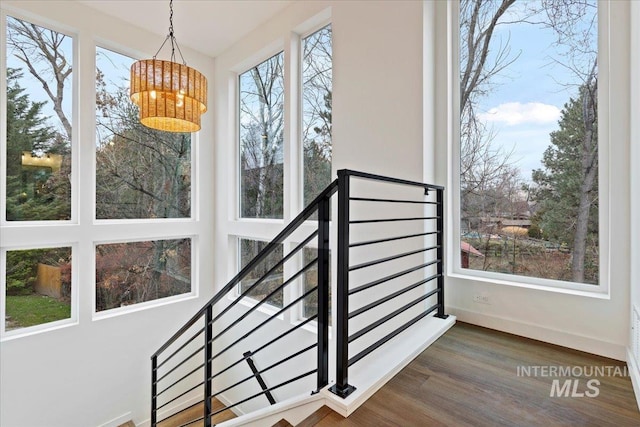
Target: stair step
[128,424]
[316,417]
[282,423]
[194,412]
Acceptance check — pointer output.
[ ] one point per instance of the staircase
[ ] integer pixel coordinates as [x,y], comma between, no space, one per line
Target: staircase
[264,338]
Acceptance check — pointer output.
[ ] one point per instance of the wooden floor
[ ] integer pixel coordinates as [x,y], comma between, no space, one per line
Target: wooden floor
[469,377]
[195,412]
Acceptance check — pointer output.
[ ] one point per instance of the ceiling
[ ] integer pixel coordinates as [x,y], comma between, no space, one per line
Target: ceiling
[208,26]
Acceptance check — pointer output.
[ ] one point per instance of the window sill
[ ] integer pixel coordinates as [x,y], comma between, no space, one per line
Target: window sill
[37,329]
[119,311]
[583,290]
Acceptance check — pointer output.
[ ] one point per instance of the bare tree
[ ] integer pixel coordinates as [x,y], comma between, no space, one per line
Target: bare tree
[35,45]
[261,138]
[481,60]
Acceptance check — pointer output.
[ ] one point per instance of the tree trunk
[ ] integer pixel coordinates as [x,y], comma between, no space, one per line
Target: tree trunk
[589,173]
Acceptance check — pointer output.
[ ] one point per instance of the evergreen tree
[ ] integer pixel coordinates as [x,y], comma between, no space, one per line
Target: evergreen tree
[27,131]
[565,180]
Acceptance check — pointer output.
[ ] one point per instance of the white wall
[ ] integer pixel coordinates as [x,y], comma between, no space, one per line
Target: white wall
[96,371]
[634,161]
[596,325]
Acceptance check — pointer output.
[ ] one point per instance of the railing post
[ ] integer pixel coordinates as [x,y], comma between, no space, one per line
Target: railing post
[323,292]
[342,387]
[154,391]
[208,347]
[440,252]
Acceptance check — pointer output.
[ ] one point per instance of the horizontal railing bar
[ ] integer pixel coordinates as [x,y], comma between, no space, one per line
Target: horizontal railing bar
[365,175]
[370,221]
[368,199]
[177,381]
[391,277]
[306,374]
[271,246]
[179,396]
[184,360]
[389,316]
[280,362]
[262,347]
[179,348]
[391,335]
[278,313]
[390,239]
[392,296]
[266,298]
[390,258]
[267,274]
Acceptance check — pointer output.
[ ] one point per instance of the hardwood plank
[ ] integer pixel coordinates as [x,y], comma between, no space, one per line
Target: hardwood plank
[316,417]
[195,412]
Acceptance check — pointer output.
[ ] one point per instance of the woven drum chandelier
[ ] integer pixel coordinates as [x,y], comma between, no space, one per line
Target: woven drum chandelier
[170,96]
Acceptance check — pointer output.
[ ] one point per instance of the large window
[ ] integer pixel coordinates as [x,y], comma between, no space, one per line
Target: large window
[261,139]
[316,112]
[140,172]
[143,179]
[39,131]
[38,287]
[528,153]
[270,105]
[136,272]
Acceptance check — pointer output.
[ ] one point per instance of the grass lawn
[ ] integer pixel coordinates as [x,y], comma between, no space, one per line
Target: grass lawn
[30,310]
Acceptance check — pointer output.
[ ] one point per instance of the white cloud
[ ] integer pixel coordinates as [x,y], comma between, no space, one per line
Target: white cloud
[516,113]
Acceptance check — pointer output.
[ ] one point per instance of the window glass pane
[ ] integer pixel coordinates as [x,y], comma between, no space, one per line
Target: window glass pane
[140,172]
[261,121]
[39,94]
[38,287]
[316,112]
[135,272]
[529,138]
[248,250]
[310,281]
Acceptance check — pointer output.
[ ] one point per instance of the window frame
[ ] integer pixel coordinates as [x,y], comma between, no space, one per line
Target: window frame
[453,227]
[266,228]
[75,122]
[83,231]
[74,304]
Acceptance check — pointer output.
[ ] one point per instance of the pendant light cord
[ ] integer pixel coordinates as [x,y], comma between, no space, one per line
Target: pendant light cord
[170,36]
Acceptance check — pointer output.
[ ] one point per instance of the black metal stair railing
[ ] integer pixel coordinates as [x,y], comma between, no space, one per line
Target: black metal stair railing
[374,301]
[184,365]
[425,263]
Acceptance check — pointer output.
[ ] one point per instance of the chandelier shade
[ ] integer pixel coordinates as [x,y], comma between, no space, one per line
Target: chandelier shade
[170,96]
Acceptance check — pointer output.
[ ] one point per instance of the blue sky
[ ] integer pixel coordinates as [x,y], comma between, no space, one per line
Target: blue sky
[525,105]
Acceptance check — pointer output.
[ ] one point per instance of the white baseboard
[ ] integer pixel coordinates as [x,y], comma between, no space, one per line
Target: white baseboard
[634,374]
[536,332]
